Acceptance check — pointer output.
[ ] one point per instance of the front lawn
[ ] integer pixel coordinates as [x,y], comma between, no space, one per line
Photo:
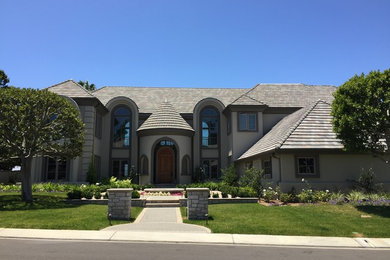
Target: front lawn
[308,220]
[49,211]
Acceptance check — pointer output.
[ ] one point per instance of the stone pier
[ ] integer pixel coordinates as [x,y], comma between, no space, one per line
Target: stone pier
[119,203]
[197,203]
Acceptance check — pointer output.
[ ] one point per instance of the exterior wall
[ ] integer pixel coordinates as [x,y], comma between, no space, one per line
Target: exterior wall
[334,171]
[270,120]
[243,140]
[183,148]
[88,117]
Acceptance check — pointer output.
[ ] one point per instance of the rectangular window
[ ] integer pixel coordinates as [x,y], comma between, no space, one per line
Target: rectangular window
[210,167]
[306,166]
[56,169]
[120,168]
[267,166]
[98,125]
[210,132]
[121,130]
[247,121]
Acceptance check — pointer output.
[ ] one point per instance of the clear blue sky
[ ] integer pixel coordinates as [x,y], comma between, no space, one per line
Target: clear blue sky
[195,43]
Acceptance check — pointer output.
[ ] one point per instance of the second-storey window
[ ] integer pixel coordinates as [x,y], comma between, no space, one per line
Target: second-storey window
[210,124]
[247,121]
[121,127]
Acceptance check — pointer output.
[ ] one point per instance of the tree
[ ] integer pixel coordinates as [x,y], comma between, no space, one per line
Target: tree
[361,112]
[37,123]
[3,79]
[86,85]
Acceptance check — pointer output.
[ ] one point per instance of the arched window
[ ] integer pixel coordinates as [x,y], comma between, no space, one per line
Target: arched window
[186,166]
[144,165]
[121,127]
[209,118]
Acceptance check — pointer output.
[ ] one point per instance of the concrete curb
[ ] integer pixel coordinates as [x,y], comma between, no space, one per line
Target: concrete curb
[204,238]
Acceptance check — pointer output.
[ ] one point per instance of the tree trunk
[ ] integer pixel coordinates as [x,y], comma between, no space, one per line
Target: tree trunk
[26,179]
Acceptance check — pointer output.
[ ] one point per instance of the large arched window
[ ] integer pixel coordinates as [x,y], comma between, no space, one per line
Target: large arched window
[121,127]
[209,121]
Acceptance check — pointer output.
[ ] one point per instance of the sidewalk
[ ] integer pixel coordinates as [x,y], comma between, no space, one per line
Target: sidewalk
[204,238]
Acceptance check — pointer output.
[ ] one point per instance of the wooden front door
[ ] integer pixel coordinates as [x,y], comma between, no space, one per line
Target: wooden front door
[165,165]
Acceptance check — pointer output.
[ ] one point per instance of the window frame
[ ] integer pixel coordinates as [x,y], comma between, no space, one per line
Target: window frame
[113,116]
[267,175]
[315,174]
[121,160]
[218,168]
[218,126]
[247,122]
[57,160]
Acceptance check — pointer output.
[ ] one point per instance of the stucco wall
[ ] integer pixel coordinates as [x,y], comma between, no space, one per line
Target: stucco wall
[243,140]
[270,120]
[334,171]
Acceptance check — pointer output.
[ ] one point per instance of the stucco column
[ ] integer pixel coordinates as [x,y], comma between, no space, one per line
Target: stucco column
[197,203]
[119,203]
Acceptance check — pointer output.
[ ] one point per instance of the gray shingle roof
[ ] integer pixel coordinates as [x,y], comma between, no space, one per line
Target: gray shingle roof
[165,117]
[71,89]
[307,128]
[183,99]
[246,100]
[291,95]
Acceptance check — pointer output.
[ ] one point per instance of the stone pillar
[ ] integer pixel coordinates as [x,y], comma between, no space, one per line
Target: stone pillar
[197,203]
[119,203]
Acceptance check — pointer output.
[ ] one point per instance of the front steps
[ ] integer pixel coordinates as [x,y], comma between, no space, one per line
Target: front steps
[162,201]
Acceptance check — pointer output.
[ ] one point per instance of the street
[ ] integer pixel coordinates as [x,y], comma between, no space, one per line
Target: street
[71,249]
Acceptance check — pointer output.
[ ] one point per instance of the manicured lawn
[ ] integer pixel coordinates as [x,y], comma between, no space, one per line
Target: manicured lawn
[309,220]
[49,211]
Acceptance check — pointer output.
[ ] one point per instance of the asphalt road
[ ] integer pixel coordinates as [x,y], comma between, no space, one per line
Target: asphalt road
[66,249]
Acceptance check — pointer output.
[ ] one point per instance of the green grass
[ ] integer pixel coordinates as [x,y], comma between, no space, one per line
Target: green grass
[49,211]
[309,220]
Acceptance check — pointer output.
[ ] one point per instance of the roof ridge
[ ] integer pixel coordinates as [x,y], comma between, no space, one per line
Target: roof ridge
[77,84]
[298,123]
[59,83]
[82,88]
[168,87]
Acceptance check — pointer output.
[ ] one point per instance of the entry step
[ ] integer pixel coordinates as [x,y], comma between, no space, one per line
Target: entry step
[174,190]
[161,204]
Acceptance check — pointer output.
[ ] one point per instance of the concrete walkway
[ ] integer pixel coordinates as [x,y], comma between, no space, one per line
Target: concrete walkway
[159,220]
[204,238]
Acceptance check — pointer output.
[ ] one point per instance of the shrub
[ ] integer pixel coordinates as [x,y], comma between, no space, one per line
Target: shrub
[230,176]
[215,195]
[366,181]
[306,196]
[288,198]
[337,198]
[321,196]
[115,183]
[245,192]
[75,193]
[97,194]
[253,178]
[135,194]
[269,194]
[355,196]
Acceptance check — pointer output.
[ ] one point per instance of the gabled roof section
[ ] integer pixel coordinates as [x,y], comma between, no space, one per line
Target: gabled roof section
[183,99]
[245,100]
[291,94]
[307,128]
[71,89]
[165,117]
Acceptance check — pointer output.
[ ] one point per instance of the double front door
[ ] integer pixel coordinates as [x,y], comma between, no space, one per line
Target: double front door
[165,165]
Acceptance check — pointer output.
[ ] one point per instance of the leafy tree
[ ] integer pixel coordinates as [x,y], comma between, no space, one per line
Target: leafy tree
[3,79]
[86,85]
[361,112]
[37,123]
[230,176]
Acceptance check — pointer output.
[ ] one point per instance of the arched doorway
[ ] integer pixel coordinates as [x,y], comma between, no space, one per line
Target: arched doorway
[165,164]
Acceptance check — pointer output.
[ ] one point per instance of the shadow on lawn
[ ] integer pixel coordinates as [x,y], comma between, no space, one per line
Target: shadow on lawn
[14,202]
[382,211]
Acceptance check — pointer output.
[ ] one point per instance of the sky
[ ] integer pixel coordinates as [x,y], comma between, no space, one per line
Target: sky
[181,43]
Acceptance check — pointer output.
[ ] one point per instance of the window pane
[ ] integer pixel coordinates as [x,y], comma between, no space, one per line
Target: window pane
[252,121]
[51,169]
[115,168]
[242,121]
[306,165]
[122,111]
[121,132]
[125,169]
[61,170]
[209,132]
[209,112]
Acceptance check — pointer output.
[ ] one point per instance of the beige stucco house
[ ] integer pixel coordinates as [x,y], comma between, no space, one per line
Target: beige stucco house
[166,134]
